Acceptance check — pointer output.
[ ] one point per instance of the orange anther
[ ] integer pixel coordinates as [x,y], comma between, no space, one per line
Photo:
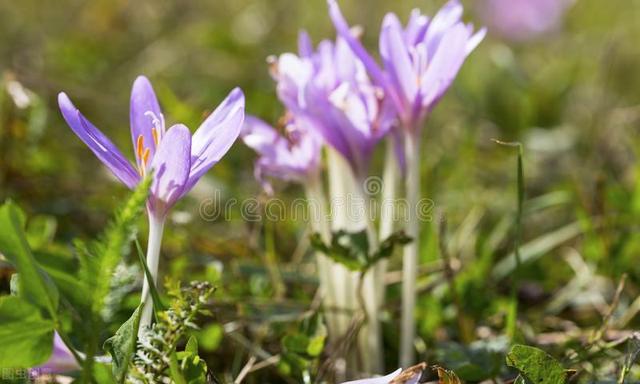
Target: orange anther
[139,147]
[154,133]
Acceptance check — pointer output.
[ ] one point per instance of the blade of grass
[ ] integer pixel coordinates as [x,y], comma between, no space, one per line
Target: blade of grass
[155,296]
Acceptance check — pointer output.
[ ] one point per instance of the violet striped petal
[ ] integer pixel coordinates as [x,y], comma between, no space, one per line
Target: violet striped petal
[369,62]
[101,146]
[215,136]
[170,167]
[396,58]
[445,64]
[145,116]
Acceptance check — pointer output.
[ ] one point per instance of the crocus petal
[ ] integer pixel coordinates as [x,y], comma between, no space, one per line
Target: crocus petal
[101,146]
[170,166]
[397,61]
[475,40]
[447,17]
[377,380]
[61,360]
[305,46]
[258,135]
[445,64]
[369,62]
[417,27]
[216,135]
[145,116]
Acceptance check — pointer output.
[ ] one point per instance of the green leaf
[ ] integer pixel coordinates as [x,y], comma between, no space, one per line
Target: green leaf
[350,249]
[158,305]
[34,285]
[194,369]
[102,373]
[25,336]
[385,250]
[122,345]
[192,346]
[174,369]
[536,366]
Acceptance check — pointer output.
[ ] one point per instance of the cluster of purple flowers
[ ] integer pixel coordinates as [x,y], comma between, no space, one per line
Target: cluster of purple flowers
[341,94]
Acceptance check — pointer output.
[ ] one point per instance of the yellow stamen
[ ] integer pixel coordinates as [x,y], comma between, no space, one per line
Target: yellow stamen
[139,147]
[154,133]
[145,157]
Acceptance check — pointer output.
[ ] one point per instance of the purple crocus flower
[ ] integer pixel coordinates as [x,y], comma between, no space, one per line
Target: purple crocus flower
[292,156]
[420,61]
[61,360]
[329,90]
[178,159]
[522,20]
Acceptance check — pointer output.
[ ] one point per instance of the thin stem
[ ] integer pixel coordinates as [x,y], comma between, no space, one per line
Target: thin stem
[156,227]
[317,206]
[271,260]
[390,180]
[410,256]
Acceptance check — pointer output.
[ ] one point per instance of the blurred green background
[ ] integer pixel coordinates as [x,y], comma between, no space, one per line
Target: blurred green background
[572,98]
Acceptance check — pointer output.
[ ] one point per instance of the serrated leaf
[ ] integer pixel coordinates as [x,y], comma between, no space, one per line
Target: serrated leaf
[536,366]
[122,345]
[109,249]
[26,338]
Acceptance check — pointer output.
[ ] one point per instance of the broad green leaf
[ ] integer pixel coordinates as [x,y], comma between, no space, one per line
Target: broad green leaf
[536,366]
[62,268]
[26,338]
[34,285]
[122,345]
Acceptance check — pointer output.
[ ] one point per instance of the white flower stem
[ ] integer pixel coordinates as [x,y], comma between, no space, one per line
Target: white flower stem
[410,256]
[346,189]
[156,226]
[390,180]
[318,223]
